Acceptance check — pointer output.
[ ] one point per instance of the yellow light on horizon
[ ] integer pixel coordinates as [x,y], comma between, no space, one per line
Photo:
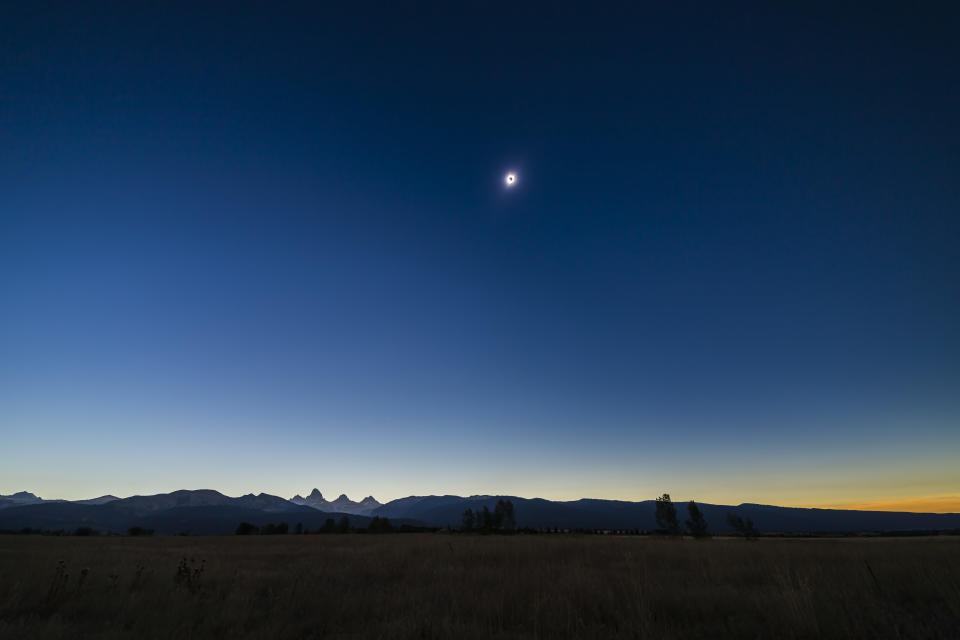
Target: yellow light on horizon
[920,504]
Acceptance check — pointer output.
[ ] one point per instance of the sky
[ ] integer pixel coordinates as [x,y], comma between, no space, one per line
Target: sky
[270,248]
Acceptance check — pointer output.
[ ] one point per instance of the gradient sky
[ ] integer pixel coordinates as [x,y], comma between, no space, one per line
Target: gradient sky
[269,249]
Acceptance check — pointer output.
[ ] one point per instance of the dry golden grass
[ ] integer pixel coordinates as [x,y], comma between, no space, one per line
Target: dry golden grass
[449,586]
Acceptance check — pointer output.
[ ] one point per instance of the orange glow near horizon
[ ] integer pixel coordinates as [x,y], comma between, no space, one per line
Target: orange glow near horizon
[921,504]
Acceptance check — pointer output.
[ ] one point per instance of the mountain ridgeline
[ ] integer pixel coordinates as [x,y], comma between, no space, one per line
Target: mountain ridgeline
[623,515]
[200,512]
[211,512]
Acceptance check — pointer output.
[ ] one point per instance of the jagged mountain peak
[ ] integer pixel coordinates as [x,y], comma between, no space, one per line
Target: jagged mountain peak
[23,496]
[343,503]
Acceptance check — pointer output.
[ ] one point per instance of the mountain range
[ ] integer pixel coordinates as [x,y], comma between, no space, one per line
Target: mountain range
[211,512]
[202,511]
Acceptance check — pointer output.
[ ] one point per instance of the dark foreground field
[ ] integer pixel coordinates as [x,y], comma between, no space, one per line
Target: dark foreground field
[447,586]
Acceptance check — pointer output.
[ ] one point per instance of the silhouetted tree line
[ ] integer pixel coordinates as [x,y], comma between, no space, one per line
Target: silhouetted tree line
[247,529]
[342,525]
[501,519]
[139,531]
[379,525]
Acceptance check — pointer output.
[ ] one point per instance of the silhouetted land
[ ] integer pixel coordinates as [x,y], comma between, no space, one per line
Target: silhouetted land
[466,586]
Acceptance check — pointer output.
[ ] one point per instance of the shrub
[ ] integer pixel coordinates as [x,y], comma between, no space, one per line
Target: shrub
[247,529]
[743,527]
[379,525]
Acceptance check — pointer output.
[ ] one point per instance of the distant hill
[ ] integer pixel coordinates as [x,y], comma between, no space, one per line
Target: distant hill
[25,497]
[21,497]
[343,504]
[203,498]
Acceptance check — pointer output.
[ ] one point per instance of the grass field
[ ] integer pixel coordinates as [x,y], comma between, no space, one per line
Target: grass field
[454,586]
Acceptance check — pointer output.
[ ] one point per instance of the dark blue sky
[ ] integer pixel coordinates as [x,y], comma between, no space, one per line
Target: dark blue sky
[270,248]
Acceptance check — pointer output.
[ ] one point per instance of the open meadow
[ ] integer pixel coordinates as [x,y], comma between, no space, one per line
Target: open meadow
[464,586]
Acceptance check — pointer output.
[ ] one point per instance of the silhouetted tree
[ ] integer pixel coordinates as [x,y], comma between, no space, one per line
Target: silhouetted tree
[329,526]
[667,515]
[696,524]
[299,528]
[486,520]
[743,527]
[247,529]
[509,516]
[503,518]
[468,520]
[343,524]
